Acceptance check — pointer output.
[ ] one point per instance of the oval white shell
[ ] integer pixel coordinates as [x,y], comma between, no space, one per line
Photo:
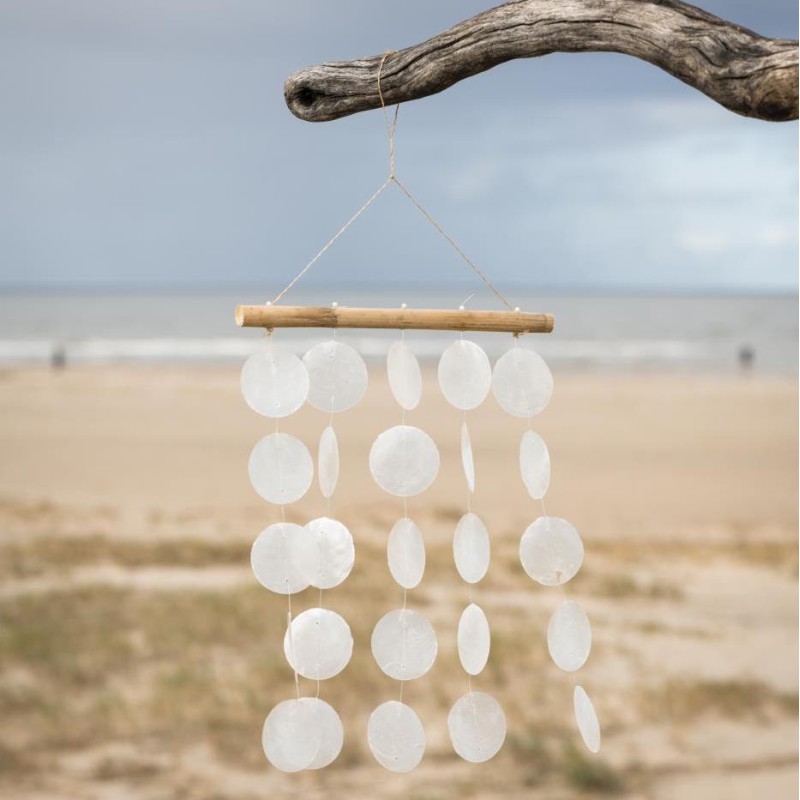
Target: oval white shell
[396,736]
[569,636]
[406,553]
[586,719]
[551,551]
[337,376]
[405,377]
[471,548]
[404,644]
[466,457]
[522,382]
[477,727]
[292,737]
[474,639]
[465,374]
[281,469]
[274,382]
[328,462]
[282,558]
[534,464]
[318,644]
[334,552]
[404,461]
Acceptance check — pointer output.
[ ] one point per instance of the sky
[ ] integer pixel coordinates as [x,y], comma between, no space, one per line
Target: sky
[147,145]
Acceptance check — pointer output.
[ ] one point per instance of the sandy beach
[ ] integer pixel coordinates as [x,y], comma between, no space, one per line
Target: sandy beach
[138,656]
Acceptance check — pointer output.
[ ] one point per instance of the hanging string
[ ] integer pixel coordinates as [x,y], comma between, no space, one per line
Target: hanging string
[391,129]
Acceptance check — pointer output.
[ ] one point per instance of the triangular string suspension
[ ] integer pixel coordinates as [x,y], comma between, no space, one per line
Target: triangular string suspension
[391,128]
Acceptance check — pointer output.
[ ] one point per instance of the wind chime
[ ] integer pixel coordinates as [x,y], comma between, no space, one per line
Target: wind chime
[305,732]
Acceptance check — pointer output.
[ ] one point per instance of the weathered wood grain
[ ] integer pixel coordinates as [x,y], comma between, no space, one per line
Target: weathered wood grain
[394,318]
[746,73]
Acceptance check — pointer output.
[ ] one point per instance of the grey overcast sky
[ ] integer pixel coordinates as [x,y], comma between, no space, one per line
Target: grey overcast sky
[147,144]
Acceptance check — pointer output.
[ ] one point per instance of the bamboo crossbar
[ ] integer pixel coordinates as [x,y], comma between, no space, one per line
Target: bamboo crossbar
[425,319]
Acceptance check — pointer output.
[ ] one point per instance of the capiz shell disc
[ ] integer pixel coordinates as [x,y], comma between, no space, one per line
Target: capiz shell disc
[522,382]
[465,374]
[466,457]
[328,462]
[274,382]
[471,548]
[477,727]
[404,644]
[405,377]
[551,551]
[292,736]
[281,469]
[569,636]
[474,639]
[404,460]
[318,644]
[337,376]
[396,736]
[406,553]
[282,558]
[334,552]
[534,464]
[586,719]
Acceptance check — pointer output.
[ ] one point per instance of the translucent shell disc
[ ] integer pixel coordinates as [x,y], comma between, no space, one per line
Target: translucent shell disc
[474,639]
[404,461]
[292,736]
[274,382]
[396,736]
[334,552]
[465,374]
[534,464]
[404,644]
[569,636]
[281,469]
[477,727]
[466,457]
[522,383]
[328,462]
[586,718]
[337,376]
[282,558]
[471,548]
[551,551]
[318,644]
[406,553]
[405,378]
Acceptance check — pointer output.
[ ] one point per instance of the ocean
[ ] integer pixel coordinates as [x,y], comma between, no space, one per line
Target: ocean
[610,332]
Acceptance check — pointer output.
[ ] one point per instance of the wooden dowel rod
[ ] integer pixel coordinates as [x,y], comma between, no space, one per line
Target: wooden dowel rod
[426,319]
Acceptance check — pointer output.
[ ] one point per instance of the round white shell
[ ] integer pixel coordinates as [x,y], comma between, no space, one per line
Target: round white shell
[534,464]
[474,639]
[396,736]
[282,558]
[281,469]
[586,718]
[551,551]
[334,552]
[471,549]
[318,644]
[331,734]
[522,382]
[404,460]
[328,462]
[406,553]
[477,727]
[465,374]
[292,737]
[405,377]
[274,382]
[569,636]
[337,376]
[466,457]
[404,644]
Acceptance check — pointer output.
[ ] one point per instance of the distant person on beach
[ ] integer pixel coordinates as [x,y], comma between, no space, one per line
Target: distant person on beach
[747,357]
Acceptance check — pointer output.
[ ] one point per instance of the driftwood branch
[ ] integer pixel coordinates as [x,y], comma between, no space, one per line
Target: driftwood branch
[746,73]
